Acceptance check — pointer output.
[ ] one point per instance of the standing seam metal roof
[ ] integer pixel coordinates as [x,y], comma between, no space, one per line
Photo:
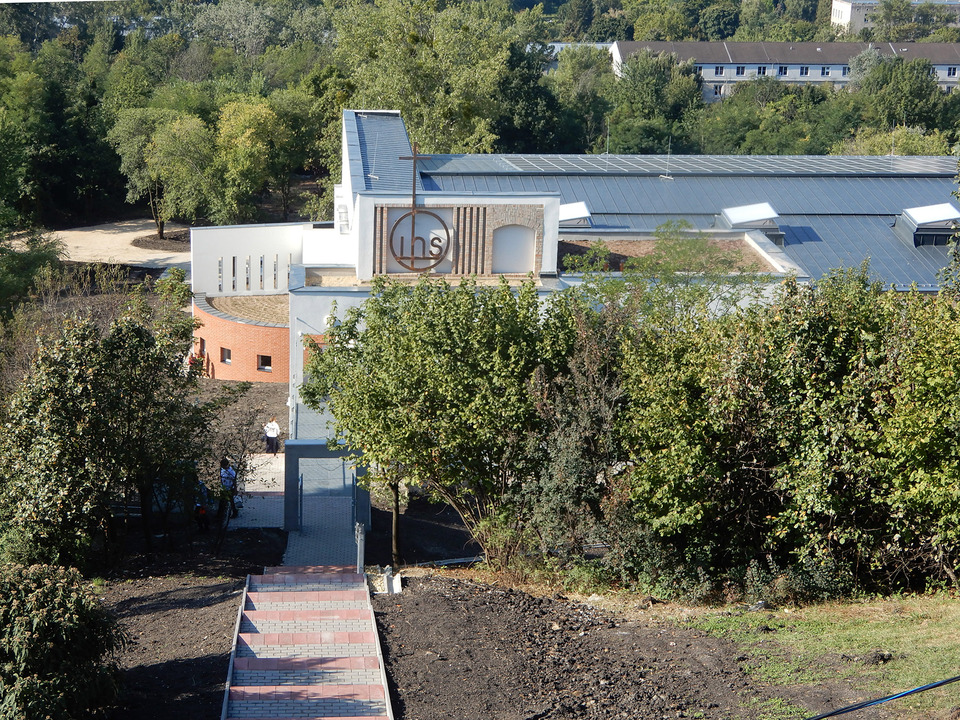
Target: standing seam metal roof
[383,141]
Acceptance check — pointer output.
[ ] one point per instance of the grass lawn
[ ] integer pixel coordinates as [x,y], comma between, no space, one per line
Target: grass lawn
[883,645]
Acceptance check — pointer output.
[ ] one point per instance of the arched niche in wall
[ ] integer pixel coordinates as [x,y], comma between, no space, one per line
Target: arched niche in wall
[514,250]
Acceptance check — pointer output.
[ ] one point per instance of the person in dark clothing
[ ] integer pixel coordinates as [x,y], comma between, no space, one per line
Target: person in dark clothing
[200,508]
[228,479]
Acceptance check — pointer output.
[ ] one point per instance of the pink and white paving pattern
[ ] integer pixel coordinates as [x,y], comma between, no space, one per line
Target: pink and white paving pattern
[306,648]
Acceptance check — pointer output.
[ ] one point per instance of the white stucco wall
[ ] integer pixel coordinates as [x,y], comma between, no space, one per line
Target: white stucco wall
[328,247]
[244,259]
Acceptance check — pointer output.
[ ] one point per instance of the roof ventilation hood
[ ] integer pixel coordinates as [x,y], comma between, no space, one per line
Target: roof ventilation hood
[928,225]
[759,216]
[574,214]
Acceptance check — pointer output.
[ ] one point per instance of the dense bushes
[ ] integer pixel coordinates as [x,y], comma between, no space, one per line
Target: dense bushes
[55,645]
[810,443]
[803,447]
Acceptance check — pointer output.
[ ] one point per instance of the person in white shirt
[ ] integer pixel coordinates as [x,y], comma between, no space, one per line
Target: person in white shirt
[271,433]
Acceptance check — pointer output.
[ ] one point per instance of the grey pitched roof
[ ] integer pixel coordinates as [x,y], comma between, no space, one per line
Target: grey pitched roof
[834,211]
[382,139]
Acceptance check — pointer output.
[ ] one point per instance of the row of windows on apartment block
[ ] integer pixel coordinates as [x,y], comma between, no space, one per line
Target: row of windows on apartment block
[264,362]
[783,70]
[250,281]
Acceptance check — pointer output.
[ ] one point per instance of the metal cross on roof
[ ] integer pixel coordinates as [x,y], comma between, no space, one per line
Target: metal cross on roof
[413,192]
[414,157]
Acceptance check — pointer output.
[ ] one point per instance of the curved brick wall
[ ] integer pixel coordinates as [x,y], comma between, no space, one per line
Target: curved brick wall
[246,340]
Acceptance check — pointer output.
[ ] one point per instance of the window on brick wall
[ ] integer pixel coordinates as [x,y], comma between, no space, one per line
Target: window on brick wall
[265,363]
[202,350]
[225,355]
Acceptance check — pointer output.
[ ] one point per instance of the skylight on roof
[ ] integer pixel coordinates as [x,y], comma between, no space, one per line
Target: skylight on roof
[944,212]
[573,211]
[746,214]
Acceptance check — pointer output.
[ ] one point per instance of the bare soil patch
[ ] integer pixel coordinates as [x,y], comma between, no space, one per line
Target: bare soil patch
[179,609]
[457,648]
[172,241]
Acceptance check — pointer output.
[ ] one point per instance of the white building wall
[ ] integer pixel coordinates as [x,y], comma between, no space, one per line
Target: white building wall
[328,247]
[244,259]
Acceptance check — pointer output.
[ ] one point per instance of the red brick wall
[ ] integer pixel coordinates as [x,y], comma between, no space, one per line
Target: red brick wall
[245,341]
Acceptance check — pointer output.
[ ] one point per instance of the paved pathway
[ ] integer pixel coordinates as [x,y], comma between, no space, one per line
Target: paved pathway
[306,644]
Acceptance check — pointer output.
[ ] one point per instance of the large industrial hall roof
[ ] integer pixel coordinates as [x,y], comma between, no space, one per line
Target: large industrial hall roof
[834,211]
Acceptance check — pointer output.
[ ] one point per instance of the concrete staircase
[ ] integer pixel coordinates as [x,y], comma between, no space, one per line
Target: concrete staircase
[306,647]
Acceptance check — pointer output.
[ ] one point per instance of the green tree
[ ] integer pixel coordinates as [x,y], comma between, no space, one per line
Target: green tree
[300,123]
[23,256]
[240,25]
[899,141]
[428,384]
[582,84]
[103,415]
[904,93]
[56,645]
[439,64]
[654,94]
[181,156]
[530,116]
[250,145]
[132,136]
[718,22]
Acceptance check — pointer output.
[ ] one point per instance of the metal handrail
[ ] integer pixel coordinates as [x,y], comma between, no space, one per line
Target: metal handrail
[360,536]
[300,504]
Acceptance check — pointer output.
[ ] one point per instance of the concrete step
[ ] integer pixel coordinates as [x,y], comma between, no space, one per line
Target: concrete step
[307,701]
[306,582]
[339,717]
[254,622]
[308,600]
[310,570]
[307,671]
[307,644]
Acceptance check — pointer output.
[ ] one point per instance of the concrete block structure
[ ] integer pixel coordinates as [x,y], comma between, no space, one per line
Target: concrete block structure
[854,15]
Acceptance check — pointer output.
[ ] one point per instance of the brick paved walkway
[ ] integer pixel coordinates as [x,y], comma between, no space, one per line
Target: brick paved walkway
[306,643]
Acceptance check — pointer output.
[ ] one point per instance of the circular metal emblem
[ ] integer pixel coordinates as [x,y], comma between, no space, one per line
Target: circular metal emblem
[417,253]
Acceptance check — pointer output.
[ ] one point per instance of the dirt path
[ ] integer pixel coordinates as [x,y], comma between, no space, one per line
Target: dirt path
[453,647]
[113,243]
